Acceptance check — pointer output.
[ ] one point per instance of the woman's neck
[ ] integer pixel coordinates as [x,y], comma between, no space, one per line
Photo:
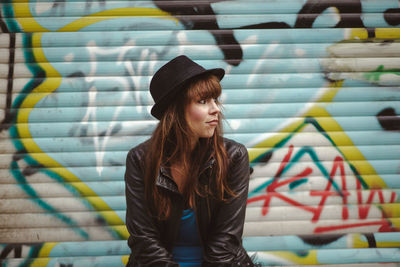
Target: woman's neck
[193,143]
[179,175]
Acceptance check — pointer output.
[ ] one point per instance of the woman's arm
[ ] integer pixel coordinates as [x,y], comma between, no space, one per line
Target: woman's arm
[144,240]
[224,245]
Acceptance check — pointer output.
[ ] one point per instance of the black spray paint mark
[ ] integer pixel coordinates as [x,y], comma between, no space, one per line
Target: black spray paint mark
[268,25]
[265,157]
[320,240]
[115,129]
[19,155]
[30,170]
[371,240]
[371,32]
[60,5]
[15,251]
[3,25]
[90,2]
[388,119]
[323,240]
[349,11]
[9,249]
[392,16]
[8,117]
[201,16]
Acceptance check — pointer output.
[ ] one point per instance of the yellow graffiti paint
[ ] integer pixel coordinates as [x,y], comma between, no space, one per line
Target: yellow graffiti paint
[111,219]
[309,259]
[391,210]
[95,201]
[121,230]
[23,119]
[33,100]
[37,42]
[52,82]
[352,152]
[380,33]
[30,24]
[358,34]
[46,249]
[40,262]
[395,222]
[273,140]
[334,88]
[24,17]
[125,259]
[388,244]
[116,14]
[359,241]
[325,120]
[387,33]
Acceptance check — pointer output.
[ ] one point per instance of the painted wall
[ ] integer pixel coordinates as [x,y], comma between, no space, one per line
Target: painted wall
[312,89]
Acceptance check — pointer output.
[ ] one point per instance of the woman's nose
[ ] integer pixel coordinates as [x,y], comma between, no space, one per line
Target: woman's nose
[214,108]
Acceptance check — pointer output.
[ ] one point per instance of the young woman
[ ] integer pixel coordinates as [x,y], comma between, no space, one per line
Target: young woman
[186,187]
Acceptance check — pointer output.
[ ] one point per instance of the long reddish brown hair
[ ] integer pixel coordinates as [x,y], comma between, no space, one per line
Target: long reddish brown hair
[171,143]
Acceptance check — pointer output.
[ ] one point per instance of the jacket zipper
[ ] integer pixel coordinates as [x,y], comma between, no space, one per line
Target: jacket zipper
[208,166]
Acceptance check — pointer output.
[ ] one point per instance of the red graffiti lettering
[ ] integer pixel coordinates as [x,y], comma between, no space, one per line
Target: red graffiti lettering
[331,190]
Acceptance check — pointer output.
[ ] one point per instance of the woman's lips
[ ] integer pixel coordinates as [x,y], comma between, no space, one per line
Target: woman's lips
[213,122]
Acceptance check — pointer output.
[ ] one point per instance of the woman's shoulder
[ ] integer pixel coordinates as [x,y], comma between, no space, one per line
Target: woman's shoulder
[234,148]
[139,150]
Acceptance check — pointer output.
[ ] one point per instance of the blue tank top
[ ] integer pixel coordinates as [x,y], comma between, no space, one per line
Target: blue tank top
[187,249]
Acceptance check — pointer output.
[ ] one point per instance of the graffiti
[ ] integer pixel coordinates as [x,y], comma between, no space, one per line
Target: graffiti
[391,16]
[311,88]
[3,25]
[14,248]
[192,17]
[115,249]
[349,11]
[388,119]
[61,5]
[342,180]
[6,121]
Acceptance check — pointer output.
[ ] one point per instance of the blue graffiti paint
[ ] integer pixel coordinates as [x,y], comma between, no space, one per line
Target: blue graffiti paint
[297,183]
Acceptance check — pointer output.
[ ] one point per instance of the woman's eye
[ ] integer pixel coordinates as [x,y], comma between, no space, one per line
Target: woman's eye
[205,101]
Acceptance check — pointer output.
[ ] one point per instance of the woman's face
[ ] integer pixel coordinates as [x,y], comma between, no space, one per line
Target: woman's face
[202,117]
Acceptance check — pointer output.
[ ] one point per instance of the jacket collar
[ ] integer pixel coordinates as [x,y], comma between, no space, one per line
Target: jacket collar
[165,180]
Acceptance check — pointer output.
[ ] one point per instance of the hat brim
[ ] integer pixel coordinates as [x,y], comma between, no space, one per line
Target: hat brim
[158,109]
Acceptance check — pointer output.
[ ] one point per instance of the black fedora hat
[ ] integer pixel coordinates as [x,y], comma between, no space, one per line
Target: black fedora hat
[171,78]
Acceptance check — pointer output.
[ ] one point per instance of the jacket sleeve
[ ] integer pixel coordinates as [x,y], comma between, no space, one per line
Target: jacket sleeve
[224,244]
[144,240]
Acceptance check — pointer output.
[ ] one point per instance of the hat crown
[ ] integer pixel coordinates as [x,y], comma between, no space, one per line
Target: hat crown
[172,78]
[171,75]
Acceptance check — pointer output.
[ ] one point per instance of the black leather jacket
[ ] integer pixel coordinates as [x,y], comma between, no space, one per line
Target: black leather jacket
[220,223]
